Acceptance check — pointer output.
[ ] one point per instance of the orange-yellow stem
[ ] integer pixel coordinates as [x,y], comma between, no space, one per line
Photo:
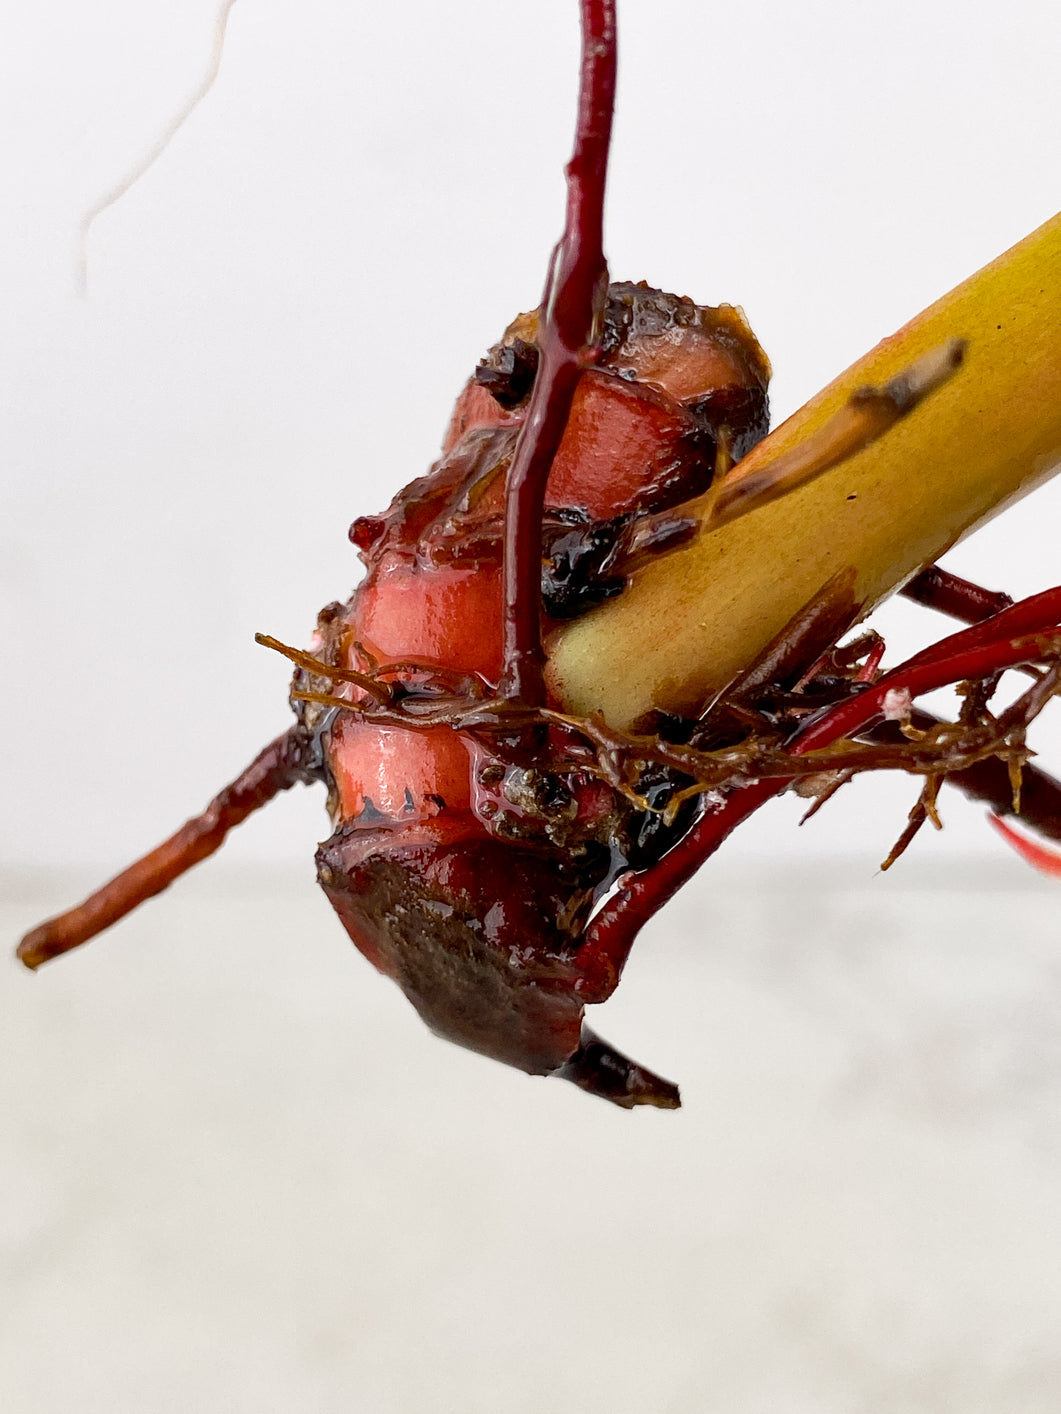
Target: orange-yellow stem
[695,618]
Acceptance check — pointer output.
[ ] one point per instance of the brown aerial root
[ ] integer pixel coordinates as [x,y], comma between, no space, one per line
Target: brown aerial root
[386,683]
[942,750]
[924,808]
[839,738]
[1008,730]
[824,743]
[866,416]
[619,758]
[381,691]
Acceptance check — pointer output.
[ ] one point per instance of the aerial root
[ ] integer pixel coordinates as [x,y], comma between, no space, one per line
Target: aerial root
[158,147]
[282,764]
[381,692]
[816,746]
[866,416]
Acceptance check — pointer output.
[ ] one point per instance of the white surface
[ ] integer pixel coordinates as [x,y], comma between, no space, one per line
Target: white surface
[281,312]
[238,1177]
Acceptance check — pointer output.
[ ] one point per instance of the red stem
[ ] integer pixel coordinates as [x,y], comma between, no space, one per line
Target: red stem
[1036,614]
[572,303]
[276,768]
[1004,641]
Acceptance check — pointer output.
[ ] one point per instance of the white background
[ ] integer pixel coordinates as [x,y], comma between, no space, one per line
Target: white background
[281,311]
[236,1174]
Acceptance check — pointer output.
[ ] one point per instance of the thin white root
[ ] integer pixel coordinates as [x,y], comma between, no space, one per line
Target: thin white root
[158,147]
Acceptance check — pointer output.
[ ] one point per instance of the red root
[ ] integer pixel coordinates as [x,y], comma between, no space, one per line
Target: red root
[1047,861]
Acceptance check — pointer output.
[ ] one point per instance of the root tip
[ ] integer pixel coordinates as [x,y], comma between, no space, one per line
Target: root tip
[34,948]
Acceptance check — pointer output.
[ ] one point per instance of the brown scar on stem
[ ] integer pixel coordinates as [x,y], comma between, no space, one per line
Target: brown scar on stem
[866,416]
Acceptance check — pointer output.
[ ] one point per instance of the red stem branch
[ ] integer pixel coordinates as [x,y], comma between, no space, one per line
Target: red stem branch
[575,289]
[1005,640]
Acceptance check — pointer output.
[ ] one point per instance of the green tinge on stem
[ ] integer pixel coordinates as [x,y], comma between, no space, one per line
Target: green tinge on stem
[692,620]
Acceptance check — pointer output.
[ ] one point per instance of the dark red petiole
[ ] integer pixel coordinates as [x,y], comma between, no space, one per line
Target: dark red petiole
[1006,640]
[575,288]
